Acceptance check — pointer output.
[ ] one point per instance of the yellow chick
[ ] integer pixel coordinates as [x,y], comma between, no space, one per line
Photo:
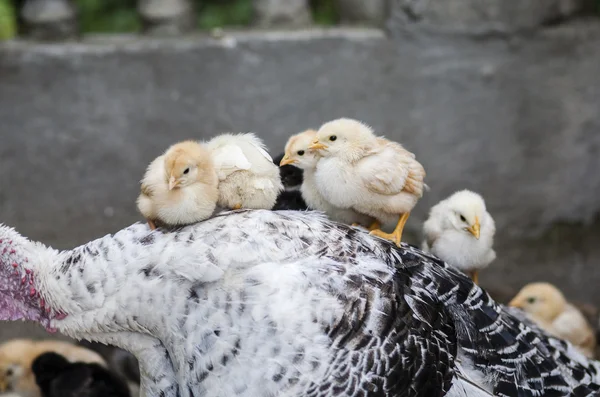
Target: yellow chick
[17,355]
[548,308]
[180,187]
[370,174]
[248,178]
[297,153]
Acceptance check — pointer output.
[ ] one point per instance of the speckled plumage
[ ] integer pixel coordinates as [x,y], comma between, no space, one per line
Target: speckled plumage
[260,303]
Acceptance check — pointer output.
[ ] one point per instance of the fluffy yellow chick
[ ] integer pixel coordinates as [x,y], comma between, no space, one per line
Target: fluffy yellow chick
[548,308]
[180,187]
[297,153]
[16,357]
[248,178]
[369,174]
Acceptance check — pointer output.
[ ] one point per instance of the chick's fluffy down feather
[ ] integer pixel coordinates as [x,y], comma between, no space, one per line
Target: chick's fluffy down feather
[572,326]
[248,178]
[186,205]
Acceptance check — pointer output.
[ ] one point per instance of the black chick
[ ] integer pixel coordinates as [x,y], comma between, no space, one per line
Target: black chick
[57,377]
[291,177]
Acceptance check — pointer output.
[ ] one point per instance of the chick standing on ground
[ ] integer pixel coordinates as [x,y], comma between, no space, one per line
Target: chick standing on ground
[180,187]
[460,231]
[548,308]
[297,153]
[248,178]
[368,174]
[17,355]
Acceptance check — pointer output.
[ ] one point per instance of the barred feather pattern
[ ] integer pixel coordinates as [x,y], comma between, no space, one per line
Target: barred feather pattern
[286,303]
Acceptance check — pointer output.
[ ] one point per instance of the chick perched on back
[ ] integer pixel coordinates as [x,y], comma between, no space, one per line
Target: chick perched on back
[57,377]
[460,231]
[248,178]
[369,174]
[297,153]
[548,308]
[180,187]
[291,178]
[17,355]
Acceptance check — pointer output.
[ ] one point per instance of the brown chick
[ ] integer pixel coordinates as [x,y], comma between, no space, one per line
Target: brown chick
[17,355]
[548,308]
[180,187]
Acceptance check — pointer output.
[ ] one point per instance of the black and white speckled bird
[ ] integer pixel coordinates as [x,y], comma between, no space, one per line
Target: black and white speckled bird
[261,303]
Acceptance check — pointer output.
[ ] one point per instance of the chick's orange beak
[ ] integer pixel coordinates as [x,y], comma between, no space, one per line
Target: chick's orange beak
[316,145]
[287,160]
[516,303]
[475,229]
[172,183]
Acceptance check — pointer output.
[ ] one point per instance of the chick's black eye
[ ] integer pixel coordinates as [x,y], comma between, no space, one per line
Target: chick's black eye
[531,300]
[462,218]
[300,152]
[332,138]
[9,372]
[186,171]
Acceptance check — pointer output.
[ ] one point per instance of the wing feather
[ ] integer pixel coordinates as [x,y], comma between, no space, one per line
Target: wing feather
[229,159]
[393,170]
[261,149]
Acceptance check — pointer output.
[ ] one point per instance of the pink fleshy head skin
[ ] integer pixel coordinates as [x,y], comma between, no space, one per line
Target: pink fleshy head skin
[19,298]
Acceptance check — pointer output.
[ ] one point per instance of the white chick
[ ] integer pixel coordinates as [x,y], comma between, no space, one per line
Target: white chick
[548,308]
[297,153]
[460,231]
[180,187]
[369,174]
[248,178]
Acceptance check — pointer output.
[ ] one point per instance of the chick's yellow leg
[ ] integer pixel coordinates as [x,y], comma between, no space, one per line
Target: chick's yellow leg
[374,226]
[475,276]
[237,206]
[151,224]
[396,235]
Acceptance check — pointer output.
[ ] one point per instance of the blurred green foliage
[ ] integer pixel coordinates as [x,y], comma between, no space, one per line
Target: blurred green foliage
[8,20]
[120,16]
[325,12]
[108,16]
[218,13]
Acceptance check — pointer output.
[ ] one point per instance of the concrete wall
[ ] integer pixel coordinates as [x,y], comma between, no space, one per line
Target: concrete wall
[511,112]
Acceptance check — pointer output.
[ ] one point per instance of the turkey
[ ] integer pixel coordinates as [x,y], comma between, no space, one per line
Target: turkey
[285,303]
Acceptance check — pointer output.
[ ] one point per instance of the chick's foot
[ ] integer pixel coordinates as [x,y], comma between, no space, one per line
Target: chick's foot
[396,235]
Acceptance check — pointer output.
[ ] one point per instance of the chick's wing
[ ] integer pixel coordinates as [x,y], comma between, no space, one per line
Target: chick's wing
[261,149]
[229,159]
[386,171]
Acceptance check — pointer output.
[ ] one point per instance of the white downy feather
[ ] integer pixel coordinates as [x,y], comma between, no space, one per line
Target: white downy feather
[229,159]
